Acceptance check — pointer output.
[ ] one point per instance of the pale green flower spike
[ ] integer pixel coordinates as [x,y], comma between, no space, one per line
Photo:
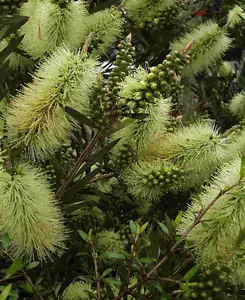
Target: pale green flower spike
[36,118]
[141,131]
[197,148]
[142,11]
[109,240]
[105,27]
[51,26]
[29,214]
[215,239]
[78,291]
[151,180]
[235,16]
[16,61]
[237,105]
[226,69]
[210,43]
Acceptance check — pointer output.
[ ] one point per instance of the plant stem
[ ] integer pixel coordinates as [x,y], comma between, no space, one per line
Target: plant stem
[197,220]
[81,159]
[28,279]
[97,275]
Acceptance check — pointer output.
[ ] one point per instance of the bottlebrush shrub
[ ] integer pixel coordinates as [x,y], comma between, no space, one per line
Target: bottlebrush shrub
[150,180]
[36,118]
[51,25]
[198,148]
[29,214]
[142,131]
[106,26]
[210,43]
[78,290]
[237,105]
[216,239]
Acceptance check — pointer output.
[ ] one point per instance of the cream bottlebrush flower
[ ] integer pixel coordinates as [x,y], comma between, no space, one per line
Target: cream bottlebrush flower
[51,25]
[105,27]
[151,180]
[36,118]
[29,214]
[210,43]
[235,16]
[237,105]
[198,148]
[142,11]
[142,131]
[78,291]
[215,242]
[109,240]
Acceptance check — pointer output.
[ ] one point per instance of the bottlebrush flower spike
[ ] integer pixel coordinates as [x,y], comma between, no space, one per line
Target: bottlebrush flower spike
[29,214]
[36,117]
[198,148]
[105,26]
[142,131]
[211,42]
[237,105]
[51,25]
[235,16]
[151,180]
[215,243]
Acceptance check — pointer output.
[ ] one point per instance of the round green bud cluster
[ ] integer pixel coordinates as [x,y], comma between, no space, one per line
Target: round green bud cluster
[110,241]
[12,36]
[10,7]
[172,125]
[165,19]
[125,233]
[210,285]
[125,156]
[95,43]
[161,82]
[166,177]
[101,106]
[124,59]
[50,171]
[68,156]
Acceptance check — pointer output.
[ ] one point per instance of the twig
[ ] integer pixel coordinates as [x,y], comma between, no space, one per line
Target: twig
[81,159]
[197,220]
[109,175]
[28,279]
[97,275]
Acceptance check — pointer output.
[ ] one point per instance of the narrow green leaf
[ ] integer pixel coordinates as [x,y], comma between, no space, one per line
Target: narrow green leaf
[111,255]
[5,293]
[94,158]
[138,116]
[5,241]
[164,228]
[13,20]
[80,184]
[133,227]
[113,281]
[106,272]
[83,235]
[242,170]
[33,265]
[15,267]
[90,234]
[147,259]
[143,227]
[178,218]
[79,117]
[10,48]
[169,223]
[191,273]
